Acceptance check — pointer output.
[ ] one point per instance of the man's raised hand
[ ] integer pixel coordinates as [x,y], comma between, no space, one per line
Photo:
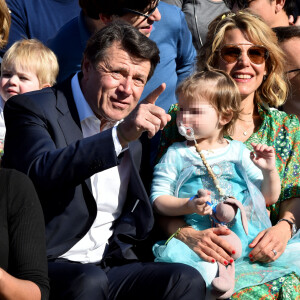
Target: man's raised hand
[145,117]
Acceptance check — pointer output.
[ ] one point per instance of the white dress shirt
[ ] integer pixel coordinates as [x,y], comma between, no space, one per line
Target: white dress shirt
[109,188]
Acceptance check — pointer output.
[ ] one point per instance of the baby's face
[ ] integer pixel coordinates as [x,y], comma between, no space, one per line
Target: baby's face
[15,81]
[200,115]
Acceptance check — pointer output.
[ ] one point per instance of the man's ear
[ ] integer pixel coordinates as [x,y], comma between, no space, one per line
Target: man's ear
[86,65]
[279,4]
[225,119]
[106,19]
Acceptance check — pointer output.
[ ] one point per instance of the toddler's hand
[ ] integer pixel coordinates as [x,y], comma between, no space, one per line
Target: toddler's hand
[263,157]
[199,203]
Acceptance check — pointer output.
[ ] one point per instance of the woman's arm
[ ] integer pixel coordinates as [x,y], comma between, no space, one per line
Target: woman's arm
[207,243]
[12,288]
[276,237]
[27,266]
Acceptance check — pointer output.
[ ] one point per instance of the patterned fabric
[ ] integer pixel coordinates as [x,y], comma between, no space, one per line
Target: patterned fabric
[283,288]
[282,132]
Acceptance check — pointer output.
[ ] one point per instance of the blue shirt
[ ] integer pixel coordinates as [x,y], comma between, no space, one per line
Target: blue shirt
[40,19]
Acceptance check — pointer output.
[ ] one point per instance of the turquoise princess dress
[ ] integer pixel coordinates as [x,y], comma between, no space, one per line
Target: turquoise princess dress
[181,173]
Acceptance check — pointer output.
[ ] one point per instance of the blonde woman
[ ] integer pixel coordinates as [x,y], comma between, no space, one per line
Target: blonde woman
[246,48]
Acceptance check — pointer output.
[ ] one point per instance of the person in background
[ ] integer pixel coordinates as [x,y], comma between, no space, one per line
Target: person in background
[198,14]
[39,19]
[28,65]
[289,41]
[231,46]
[23,263]
[162,23]
[79,143]
[274,12]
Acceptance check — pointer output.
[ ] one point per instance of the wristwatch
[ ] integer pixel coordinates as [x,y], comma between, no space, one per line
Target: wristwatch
[293,225]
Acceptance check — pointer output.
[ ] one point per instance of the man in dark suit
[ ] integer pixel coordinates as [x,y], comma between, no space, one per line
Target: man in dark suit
[78,142]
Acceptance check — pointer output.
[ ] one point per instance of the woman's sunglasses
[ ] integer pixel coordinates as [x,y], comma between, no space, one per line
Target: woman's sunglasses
[230,53]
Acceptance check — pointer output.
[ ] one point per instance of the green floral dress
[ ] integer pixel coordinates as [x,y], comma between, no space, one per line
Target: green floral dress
[281,131]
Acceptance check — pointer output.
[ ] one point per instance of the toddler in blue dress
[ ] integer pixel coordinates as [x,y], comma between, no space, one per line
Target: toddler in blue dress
[209,104]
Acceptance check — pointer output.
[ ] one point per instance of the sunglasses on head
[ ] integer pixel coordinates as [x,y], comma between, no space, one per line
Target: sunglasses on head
[150,12]
[230,53]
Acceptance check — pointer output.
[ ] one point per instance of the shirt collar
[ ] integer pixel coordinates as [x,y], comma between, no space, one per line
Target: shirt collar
[83,108]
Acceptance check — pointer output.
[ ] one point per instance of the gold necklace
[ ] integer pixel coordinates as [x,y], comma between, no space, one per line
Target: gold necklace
[246,129]
[247,121]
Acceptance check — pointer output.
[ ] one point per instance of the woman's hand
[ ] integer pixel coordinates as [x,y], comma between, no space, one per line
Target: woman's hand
[274,238]
[207,243]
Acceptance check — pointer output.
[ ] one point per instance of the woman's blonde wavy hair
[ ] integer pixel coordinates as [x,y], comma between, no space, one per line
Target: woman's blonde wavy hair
[274,88]
[4,23]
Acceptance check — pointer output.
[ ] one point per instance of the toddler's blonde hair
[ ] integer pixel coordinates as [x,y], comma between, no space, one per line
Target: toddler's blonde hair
[32,55]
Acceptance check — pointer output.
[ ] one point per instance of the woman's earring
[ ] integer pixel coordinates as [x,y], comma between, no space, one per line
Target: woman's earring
[265,77]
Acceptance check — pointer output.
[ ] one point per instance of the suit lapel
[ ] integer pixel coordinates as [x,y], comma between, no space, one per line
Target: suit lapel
[135,183]
[68,120]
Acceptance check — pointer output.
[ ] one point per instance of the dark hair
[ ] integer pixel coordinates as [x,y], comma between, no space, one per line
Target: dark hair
[289,5]
[130,40]
[92,8]
[284,33]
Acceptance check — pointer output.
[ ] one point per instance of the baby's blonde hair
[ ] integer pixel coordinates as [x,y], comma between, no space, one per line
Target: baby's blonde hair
[218,88]
[33,55]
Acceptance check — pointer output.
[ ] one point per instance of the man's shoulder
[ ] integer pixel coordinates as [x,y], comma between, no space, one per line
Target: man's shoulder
[43,99]
[43,95]
[69,41]
[171,16]
[166,8]
[66,33]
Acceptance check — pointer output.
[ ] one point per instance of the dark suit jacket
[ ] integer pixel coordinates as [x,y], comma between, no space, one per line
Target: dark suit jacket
[44,140]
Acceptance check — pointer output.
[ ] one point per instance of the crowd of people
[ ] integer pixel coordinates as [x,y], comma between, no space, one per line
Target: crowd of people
[149,149]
